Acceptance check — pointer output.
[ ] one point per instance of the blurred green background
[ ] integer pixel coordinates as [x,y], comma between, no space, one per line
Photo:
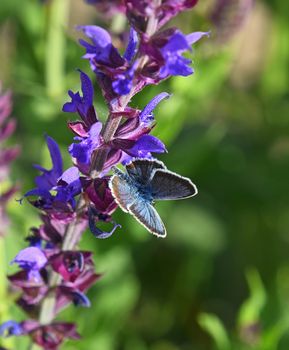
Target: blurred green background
[220,280]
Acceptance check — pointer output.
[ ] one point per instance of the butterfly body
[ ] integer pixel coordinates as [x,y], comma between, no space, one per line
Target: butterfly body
[144,182]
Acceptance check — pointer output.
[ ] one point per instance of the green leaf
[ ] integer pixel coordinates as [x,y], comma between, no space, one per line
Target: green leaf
[251,309]
[215,328]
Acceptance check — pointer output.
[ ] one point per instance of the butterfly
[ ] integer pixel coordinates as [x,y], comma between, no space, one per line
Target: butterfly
[144,182]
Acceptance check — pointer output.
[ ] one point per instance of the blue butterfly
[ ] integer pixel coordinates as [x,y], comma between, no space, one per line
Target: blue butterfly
[145,181]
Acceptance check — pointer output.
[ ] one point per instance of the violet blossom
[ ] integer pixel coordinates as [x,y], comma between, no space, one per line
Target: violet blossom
[7,156]
[31,259]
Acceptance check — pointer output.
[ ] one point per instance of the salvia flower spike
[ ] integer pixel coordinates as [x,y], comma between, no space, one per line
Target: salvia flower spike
[53,272]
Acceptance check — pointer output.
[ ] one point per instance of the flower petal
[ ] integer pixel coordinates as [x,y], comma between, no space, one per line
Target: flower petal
[146,144]
[102,51]
[147,113]
[196,36]
[98,233]
[70,175]
[31,258]
[9,328]
[132,45]
[49,177]
[80,104]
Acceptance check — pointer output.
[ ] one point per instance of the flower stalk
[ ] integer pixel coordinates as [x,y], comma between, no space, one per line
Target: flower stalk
[58,12]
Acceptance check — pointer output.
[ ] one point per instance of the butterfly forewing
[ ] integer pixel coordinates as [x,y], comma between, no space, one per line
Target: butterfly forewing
[146,214]
[123,192]
[166,185]
[141,170]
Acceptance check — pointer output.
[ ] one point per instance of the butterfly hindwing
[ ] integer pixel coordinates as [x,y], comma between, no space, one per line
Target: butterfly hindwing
[123,192]
[166,185]
[141,170]
[146,214]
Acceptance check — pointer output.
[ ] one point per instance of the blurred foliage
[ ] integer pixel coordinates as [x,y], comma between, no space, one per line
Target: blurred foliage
[221,278]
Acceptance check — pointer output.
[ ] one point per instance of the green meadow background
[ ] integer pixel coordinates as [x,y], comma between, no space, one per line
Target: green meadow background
[220,280]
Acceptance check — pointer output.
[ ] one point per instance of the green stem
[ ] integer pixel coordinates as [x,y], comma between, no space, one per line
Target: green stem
[55,47]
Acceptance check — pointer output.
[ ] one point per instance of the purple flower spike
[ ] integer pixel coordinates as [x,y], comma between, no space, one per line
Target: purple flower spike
[9,328]
[7,155]
[146,116]
[80,197]
[31,259]
[49,178]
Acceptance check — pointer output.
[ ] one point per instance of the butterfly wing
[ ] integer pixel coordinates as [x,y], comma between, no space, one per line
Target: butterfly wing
[146,214]
[123,192]
[166,185]
[141,170]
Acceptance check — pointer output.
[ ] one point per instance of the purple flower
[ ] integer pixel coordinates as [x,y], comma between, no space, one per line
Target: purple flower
[174,62]
[146,145]
[138,12]
[47,336]
[107,7]
[146,116]
[142,123]
[69,186]
[101,51]
[122,84]
[84,281]
[51,336]
[100,195]
[66,185]
[78,298]
[34,241]
[131,138]
[9,328]
[78,103]
[82,151]
[69,264]
[94,217]
[82,105]
[21,280]
[7,155]
[31,259]
[105,60]
[170,8]
[131,48]
[48,179]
